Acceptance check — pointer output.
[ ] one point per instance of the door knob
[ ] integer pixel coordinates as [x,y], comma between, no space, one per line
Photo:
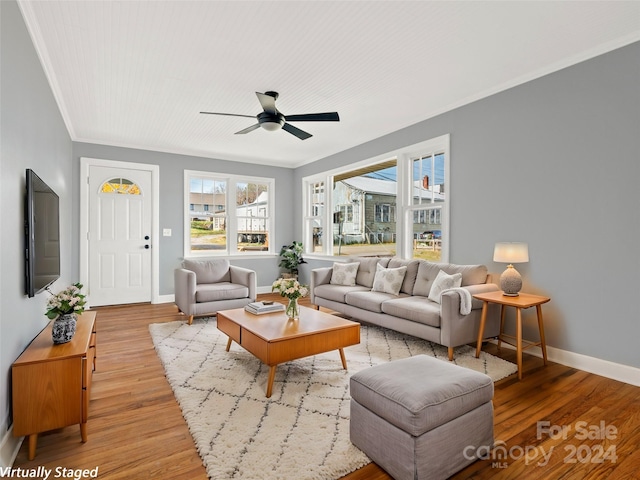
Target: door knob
[146,237]
[147,247]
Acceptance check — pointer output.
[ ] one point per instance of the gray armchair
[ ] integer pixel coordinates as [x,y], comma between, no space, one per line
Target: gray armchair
[206,286]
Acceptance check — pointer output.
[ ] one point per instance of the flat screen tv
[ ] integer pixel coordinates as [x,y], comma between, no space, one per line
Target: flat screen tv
[42,235]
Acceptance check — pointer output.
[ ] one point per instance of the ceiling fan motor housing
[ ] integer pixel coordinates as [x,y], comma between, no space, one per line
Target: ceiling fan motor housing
[270,121]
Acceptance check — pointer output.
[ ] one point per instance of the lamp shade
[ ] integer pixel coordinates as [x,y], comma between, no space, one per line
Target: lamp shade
[511,252]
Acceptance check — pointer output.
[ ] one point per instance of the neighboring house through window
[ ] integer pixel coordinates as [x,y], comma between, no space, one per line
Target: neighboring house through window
[227,214]
[394,204]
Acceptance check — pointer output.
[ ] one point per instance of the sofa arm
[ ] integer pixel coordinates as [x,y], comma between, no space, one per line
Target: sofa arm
[450,299]
[184,285]
[246,277]
[457,329]
[319,276]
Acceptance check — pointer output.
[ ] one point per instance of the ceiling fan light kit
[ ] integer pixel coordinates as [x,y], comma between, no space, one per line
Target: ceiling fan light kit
[271,119]
[270,122]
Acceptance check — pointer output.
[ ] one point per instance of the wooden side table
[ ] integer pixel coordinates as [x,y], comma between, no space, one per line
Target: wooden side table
[522,301]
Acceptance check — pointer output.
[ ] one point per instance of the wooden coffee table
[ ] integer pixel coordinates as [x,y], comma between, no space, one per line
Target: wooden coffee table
[275,339]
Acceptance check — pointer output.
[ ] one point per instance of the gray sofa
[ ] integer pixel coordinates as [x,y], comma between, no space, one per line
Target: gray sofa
[411,311]
[202,287]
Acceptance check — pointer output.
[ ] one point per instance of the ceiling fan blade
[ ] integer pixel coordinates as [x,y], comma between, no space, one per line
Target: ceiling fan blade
[301,134]
[314,117]
[249,129]
[229,114]
[268,102]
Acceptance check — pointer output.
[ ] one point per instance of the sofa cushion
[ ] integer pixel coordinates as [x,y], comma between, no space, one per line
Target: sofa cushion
[367,269]
[336,293]
[427,273]
[209,271]
[443,282]
[412,271]
[371,301]
[388,280]
[213,292]
[416,309]
[344,274]
[471,274]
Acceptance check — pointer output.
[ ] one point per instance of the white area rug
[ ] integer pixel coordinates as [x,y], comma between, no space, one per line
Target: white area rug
[302,431]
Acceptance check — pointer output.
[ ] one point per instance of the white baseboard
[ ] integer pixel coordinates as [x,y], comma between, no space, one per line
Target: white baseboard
[9,448]
[605,368]
[164,299]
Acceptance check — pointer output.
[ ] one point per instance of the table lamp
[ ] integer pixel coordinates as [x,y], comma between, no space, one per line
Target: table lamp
[511,252]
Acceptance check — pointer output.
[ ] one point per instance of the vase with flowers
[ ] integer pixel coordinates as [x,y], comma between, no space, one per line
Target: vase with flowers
[292,290]
[62,308]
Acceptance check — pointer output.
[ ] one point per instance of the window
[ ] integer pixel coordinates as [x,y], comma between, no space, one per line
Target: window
[347,213]
[120,186]
[394,204]
[314,216]
[365,197]
[385,213]
[226,214]
[428,196]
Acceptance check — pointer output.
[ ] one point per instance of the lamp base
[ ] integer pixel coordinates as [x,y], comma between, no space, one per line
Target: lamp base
[510,282]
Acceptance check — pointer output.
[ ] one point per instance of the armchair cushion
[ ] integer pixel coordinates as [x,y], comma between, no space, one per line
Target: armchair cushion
[209,271]
[220,291]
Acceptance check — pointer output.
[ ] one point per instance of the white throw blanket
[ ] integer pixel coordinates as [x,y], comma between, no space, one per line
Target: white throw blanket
[465,300]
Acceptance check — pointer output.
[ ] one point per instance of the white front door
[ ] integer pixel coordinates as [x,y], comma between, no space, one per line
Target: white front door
[119,236]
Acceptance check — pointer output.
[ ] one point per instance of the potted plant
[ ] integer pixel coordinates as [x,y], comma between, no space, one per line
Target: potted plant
[291,257]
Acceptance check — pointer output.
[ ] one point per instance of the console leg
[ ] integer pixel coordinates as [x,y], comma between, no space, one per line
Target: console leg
[33,443]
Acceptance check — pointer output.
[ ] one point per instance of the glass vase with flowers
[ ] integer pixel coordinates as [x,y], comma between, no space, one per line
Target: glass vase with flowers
[291,289]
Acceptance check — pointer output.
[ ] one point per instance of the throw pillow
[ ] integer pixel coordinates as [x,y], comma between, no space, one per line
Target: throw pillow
[444,282]
[388,280]
[344,274]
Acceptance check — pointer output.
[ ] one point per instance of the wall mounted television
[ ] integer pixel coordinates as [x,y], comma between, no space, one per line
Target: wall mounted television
[42,235]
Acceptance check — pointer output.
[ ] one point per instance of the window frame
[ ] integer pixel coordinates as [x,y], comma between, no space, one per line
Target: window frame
[404,208]
[231,181]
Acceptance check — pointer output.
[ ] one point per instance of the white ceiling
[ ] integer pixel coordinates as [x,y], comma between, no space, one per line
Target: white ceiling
[137,73]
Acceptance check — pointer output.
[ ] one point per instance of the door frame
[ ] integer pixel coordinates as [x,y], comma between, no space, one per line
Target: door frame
[85,164]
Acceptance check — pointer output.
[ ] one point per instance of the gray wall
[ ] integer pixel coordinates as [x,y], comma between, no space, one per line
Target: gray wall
[171,174]
[32,135]
[556,163]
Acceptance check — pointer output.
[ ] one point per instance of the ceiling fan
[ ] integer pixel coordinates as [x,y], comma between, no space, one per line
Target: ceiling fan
[271,119]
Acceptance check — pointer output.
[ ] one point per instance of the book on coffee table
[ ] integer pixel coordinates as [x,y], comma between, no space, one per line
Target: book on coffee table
[258,308]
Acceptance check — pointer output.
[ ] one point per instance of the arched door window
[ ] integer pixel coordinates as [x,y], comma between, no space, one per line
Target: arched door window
[120,186]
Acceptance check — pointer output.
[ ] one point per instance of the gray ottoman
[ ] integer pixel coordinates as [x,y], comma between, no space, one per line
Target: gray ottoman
[421,418]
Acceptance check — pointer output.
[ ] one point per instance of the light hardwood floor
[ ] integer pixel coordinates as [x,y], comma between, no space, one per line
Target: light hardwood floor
[136,429]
